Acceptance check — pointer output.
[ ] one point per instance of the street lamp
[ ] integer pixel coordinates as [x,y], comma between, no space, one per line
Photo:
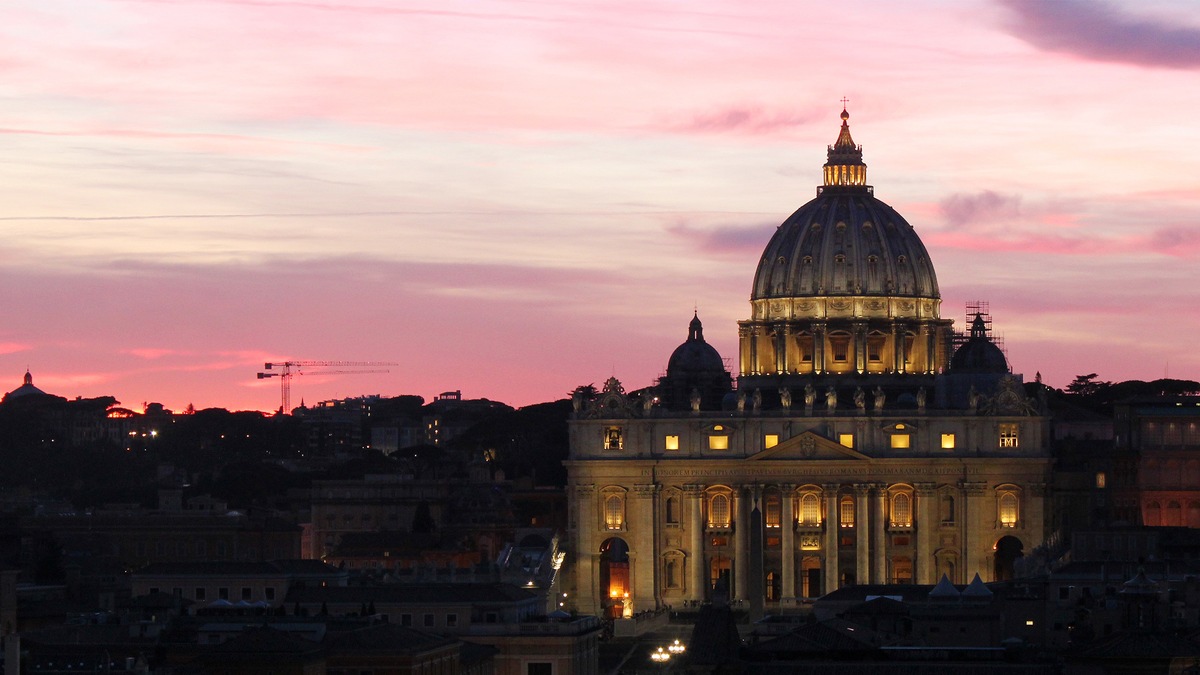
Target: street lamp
[676,648]
[660,656]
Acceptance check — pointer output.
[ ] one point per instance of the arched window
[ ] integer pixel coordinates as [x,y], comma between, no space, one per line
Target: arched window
[614,512]
[810,509]
[1174,515]
[772,511]
[947,509]
[672,510]
[1153,514]
[901,510]
[671,573]
[846,511]
[718,511]
[1008,509]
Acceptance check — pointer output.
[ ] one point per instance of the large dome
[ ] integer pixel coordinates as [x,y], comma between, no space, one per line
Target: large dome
[844,288]
[845,242]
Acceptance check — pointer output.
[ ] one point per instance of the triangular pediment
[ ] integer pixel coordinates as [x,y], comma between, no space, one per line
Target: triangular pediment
[809,446]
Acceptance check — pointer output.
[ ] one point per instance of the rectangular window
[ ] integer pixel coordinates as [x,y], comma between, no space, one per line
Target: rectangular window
[1101,480]
[406,619]
[612,438]
[840,346]
[1009,434]
[429,621]
[846,440]
[270,592]
[846,512]
[770,440]
[451,620]
[671,443]
[718,442]
[246,593]
[947,441]
[900,441]
[222,593]
[200,592]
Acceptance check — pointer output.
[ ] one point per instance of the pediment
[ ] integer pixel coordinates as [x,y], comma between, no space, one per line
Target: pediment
[809,446]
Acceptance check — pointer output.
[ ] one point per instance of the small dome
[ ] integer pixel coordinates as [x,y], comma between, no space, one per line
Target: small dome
[979,354]
[695,370]
[694,356]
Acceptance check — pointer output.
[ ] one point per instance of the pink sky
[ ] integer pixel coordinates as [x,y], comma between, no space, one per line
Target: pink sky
[516,197]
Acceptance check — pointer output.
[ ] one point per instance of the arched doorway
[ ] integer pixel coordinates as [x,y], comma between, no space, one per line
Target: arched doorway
[614,578]
[1008,549]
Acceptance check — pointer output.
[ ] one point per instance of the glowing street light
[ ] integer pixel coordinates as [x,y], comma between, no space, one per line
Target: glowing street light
[676,648]
[660,656]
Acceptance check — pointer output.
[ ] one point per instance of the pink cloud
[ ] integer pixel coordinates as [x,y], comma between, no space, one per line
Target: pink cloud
[1096,30]
[987,206]
[747,119]
[13,347]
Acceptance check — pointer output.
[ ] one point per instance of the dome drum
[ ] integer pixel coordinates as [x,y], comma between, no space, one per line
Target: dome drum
[845,307]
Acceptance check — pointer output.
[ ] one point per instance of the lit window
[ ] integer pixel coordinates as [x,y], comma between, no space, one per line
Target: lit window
[1009,437]
[810,509]
[846,512]
[770,440]
[1028,622]
[718,512]
[612,438]
[846,440]
[1101,480]
[614,513]
[1008,509]
[672,443]
[947,441]
[716,442]
[772,511]
[902,510]
[840,345]
[900,441]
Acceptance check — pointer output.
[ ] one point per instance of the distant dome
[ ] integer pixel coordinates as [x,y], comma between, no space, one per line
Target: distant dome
[694,356]
[26,389]
[979,354]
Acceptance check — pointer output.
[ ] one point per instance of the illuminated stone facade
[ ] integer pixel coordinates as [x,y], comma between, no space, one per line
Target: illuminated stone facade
[850,452]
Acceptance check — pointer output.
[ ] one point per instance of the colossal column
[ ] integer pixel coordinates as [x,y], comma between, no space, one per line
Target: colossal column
[587,575]
[924,530]
[741,559]
[878,513]
[972,524]
[697,563]
[787,543]
[832,542]
[862,537]
[643,553]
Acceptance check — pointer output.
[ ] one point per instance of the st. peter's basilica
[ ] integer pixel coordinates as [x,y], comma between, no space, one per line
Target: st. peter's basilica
[865,442]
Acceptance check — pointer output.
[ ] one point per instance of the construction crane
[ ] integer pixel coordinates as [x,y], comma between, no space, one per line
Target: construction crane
[287,369]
